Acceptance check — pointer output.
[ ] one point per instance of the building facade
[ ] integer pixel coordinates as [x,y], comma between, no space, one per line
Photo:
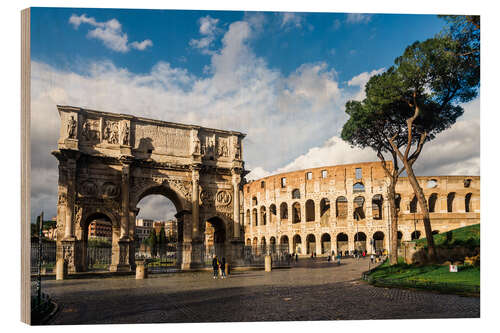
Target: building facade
[100,229]
[345,207]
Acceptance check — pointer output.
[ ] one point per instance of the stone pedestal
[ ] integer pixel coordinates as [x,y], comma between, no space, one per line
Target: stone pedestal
[120,256]
[61,269]
[186,255]
[268,263]
[141,270]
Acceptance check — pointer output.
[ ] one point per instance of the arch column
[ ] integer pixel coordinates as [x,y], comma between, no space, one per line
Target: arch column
[236,203]
[195,202]
[69,229]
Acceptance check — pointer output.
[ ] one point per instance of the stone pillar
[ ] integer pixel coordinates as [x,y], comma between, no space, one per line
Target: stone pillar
[125,216]
[236,204]
[61,269]
[318,245]
[268,263]
[141,270]
[195,208]
[69,229]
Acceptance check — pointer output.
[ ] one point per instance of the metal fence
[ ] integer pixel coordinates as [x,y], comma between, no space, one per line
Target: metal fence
[48,256]
[98,258]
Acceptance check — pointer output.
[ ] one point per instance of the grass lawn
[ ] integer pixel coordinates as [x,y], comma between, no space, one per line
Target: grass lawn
[431,277]
[469,236]
[435,277]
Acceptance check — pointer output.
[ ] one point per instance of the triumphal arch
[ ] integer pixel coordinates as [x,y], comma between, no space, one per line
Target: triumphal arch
[108,162]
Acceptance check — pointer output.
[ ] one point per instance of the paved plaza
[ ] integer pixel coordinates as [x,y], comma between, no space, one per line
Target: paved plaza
[310,290]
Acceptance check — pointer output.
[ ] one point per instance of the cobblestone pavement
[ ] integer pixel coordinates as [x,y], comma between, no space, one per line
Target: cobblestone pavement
[311,290]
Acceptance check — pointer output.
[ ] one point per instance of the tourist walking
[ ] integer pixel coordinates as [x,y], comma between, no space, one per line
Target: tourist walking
[338,258]
[296,257]
[223,268]
[215,266]
[372,257]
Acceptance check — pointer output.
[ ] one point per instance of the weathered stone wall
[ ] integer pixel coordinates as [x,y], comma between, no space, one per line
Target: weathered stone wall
[108,162]
[352,208]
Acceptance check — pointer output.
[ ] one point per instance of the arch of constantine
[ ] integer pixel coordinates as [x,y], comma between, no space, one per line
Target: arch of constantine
[345,207]
[108,162]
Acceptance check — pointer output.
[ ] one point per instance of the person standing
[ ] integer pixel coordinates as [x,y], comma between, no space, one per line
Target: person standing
[215,266]
[338,258]
[371,258]
[223,267]
[296,257]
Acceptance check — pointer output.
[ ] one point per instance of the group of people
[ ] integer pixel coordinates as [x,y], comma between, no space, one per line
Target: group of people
[219,265]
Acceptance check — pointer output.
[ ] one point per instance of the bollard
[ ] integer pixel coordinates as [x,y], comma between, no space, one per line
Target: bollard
[61,269]
[141,270]
[227,269]
[268,263]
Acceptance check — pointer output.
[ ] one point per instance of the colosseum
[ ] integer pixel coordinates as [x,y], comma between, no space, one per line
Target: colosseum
[343,208]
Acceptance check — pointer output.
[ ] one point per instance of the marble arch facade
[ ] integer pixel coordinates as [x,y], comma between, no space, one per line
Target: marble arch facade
[329,186]
[108,162]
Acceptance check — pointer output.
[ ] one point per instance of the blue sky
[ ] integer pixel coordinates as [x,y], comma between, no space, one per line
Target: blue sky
[281,78]
[353,45]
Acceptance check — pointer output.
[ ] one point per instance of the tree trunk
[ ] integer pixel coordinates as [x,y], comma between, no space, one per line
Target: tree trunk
[393,255]
[422,202]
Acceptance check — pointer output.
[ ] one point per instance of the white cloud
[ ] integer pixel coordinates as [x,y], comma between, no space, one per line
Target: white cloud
[142,45]
[361,80]
[356,18]
[110,33]
[208,28]
[289,20]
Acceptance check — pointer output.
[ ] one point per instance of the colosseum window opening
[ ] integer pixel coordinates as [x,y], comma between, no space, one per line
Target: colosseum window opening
[254,216]
[309,175]
[431,183]
[415,235]
[296,194]
[467,182]
[310,244]
[450,200]
[358,187]
[262,184]
[284,211]
[248,217]
[326,244]
[324,173]
[377,201]
[296,213]
[283,182]
[468,196]
[359,173]
[397,201]
[413,205]
[254,201]
[432,202]
[378,240]
[310,211]
[324,206]
[341,207]
[272,214]
[359,212]
[263,215]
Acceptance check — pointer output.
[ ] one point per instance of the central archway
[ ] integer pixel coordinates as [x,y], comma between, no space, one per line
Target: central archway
[214,239]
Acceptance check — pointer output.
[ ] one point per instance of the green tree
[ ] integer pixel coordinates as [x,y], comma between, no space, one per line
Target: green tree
[153,243]
[373,123]
[425,87]
[162,241]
